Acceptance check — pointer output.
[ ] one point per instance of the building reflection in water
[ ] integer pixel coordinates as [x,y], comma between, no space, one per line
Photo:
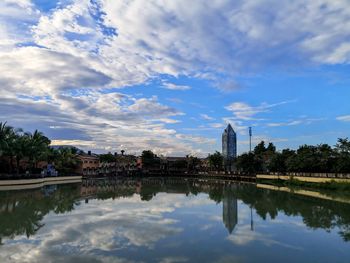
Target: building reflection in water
[229,211]
[22,212]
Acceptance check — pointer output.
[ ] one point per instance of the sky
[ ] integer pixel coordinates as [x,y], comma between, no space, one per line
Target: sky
[106,75]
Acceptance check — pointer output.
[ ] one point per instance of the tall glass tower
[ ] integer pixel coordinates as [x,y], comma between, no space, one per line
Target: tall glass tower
[229,146]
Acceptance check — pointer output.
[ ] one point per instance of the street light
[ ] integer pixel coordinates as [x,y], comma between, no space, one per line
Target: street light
[250,139]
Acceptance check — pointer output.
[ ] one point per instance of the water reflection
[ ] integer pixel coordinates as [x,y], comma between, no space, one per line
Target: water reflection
[229,209]
[166,218]
[22,212]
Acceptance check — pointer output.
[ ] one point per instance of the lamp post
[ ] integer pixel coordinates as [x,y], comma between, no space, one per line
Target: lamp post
[250,139]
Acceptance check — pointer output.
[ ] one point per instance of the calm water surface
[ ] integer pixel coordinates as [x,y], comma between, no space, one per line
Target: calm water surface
[170,220]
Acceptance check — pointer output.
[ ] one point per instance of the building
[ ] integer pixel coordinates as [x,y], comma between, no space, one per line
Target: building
[126,164]
[229,147]
[89,164]
[24,166]
[174,165]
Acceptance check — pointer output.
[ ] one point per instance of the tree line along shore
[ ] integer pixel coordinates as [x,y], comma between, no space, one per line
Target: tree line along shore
[30,153]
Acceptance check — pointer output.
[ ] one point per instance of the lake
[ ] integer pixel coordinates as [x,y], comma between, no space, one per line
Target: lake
[171,220]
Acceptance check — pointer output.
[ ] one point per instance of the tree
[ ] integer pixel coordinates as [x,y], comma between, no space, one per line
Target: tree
[5,133]
[260,149]
[216,160]
[326,158]
[19,148]
[149,159]
[247,163]
[282,161]
[65,159]
[343,145]
[8,137]
[107,158]
[277,163]
[271,148]
[193,163]
[38,147]
[261,156]
[342,162]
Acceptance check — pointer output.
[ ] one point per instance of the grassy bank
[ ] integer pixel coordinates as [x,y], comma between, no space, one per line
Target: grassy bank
[331,185]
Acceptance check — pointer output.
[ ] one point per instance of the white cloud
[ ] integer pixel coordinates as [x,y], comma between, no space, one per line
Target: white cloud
[244,111]
[96,45]
[227,86]
[103,122]
[171,86]
[168,120]
[278,124]
[303,120]
[41,72]
[216,125]
[150,107]
[206,117]
[16,17]
[343,118]
[165,40]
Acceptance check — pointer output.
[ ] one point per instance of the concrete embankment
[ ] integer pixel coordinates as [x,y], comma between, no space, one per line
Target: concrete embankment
[304,192]
[309,179]
[38,182]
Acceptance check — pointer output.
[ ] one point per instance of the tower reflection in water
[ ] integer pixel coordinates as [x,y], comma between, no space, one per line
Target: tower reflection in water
[229,210]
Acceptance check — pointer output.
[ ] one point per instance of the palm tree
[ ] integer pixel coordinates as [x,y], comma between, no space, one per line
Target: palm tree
[37,147]
[65,160]
[9,143]
[5,133]
[19,148]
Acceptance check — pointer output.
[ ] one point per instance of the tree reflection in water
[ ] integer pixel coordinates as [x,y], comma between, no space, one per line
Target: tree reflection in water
[22,212]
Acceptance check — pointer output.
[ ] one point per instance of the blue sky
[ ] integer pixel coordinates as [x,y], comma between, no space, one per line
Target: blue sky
[169,76]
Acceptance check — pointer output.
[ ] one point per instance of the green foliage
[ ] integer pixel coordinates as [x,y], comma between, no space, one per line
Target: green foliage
[23,211]
[260,160]
[17,145]
[36,147]
[308,158]
[6,134]
[342,149]
[193,163]
[107,158]
[248,163]
[216,160]
[65,159]
[180,164]
[149,159]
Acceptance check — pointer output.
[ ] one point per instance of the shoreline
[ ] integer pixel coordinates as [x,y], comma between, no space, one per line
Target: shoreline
[303,191]
[333,184]
[306,179]
[19,184]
